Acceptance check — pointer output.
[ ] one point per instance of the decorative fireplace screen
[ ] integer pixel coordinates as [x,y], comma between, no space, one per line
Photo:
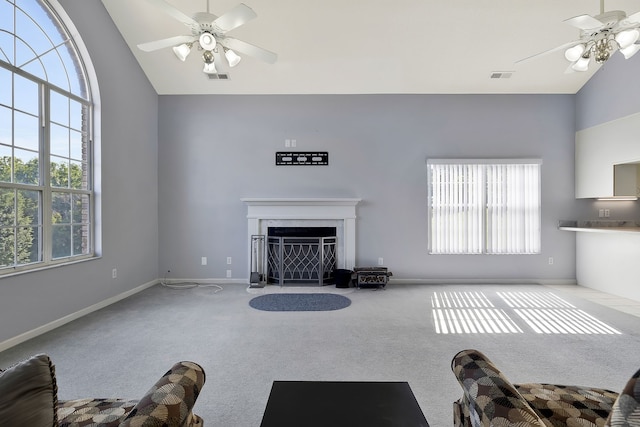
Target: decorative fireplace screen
[301,259]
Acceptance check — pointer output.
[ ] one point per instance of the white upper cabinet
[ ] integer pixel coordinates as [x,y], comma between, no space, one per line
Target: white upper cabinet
[599,149]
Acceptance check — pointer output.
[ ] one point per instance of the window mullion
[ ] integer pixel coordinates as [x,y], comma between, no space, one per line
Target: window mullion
[45,173]
[484,216]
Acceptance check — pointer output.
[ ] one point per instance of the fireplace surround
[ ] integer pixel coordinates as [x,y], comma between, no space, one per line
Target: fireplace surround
[340,213]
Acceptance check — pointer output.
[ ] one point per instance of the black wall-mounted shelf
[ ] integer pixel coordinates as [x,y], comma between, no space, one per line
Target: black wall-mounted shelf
[302,158]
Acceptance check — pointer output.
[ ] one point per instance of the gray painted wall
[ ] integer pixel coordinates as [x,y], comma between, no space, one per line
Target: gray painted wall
[214,150]
[129,191]
[612,93]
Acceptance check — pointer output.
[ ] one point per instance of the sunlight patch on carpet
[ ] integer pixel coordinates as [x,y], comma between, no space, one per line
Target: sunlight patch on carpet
[539,312]
[546,313]
[469,313]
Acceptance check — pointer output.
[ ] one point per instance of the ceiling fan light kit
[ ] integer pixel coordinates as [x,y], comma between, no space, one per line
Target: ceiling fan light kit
[182,51]
[601,42]
[207,41]
[581,64]
[600,37]
[207,33]
[627,38]
[210,68]
[232,58]
[574,53]
[628,52]
[209,65]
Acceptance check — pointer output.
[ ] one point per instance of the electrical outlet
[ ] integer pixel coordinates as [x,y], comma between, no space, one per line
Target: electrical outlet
[228,273]
[114,273]
[287,143]
[204,260]
[550,260]
[293,143]
[228,260]
[380,261]
[607,213]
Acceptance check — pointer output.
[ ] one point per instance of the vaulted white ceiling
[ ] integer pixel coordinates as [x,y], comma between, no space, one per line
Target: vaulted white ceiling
[373,46]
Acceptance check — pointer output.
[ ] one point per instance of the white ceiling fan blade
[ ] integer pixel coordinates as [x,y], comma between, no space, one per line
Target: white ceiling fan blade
[161,44]
[249,49]
[173,12]
[555,49]
[584,22]
[234,18]
[635,18]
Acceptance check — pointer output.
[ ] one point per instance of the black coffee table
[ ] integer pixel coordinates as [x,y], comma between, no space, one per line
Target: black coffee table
[338,404]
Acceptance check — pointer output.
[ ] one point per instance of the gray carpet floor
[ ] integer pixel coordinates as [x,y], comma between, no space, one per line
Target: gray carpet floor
[384,335]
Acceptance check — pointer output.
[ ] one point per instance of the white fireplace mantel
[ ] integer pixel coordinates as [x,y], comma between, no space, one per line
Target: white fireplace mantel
[343,210]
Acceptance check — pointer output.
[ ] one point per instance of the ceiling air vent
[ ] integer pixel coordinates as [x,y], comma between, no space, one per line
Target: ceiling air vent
[218,76]
[501,74]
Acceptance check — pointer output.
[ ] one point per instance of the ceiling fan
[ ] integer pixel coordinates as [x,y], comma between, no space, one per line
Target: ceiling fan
[208,34]
[600,36]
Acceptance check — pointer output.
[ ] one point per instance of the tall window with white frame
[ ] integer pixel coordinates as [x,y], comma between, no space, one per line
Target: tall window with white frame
[479,206]
[46,194]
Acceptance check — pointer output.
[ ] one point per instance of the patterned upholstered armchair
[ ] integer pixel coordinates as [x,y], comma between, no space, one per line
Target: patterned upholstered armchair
[28,397]
[490,399]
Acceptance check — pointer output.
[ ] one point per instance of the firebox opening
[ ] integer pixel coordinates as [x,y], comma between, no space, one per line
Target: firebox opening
[302,231]
[305,255]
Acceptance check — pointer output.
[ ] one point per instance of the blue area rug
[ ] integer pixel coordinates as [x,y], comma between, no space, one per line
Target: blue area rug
[300,302]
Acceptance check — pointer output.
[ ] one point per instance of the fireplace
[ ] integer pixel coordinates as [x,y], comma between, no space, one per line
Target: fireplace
[334,213]
[301,255]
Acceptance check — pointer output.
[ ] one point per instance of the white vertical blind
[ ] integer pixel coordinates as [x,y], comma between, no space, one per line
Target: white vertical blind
[484,206]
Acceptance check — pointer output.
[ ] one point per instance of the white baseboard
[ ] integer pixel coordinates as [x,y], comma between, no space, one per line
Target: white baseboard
[392,280]
[558,282]
[214,281]
[484,281]
[11,342]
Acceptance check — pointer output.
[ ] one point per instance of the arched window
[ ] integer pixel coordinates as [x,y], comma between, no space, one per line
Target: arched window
[46,189]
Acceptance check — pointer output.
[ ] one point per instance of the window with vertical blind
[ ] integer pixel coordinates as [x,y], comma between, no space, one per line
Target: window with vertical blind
[484,206]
